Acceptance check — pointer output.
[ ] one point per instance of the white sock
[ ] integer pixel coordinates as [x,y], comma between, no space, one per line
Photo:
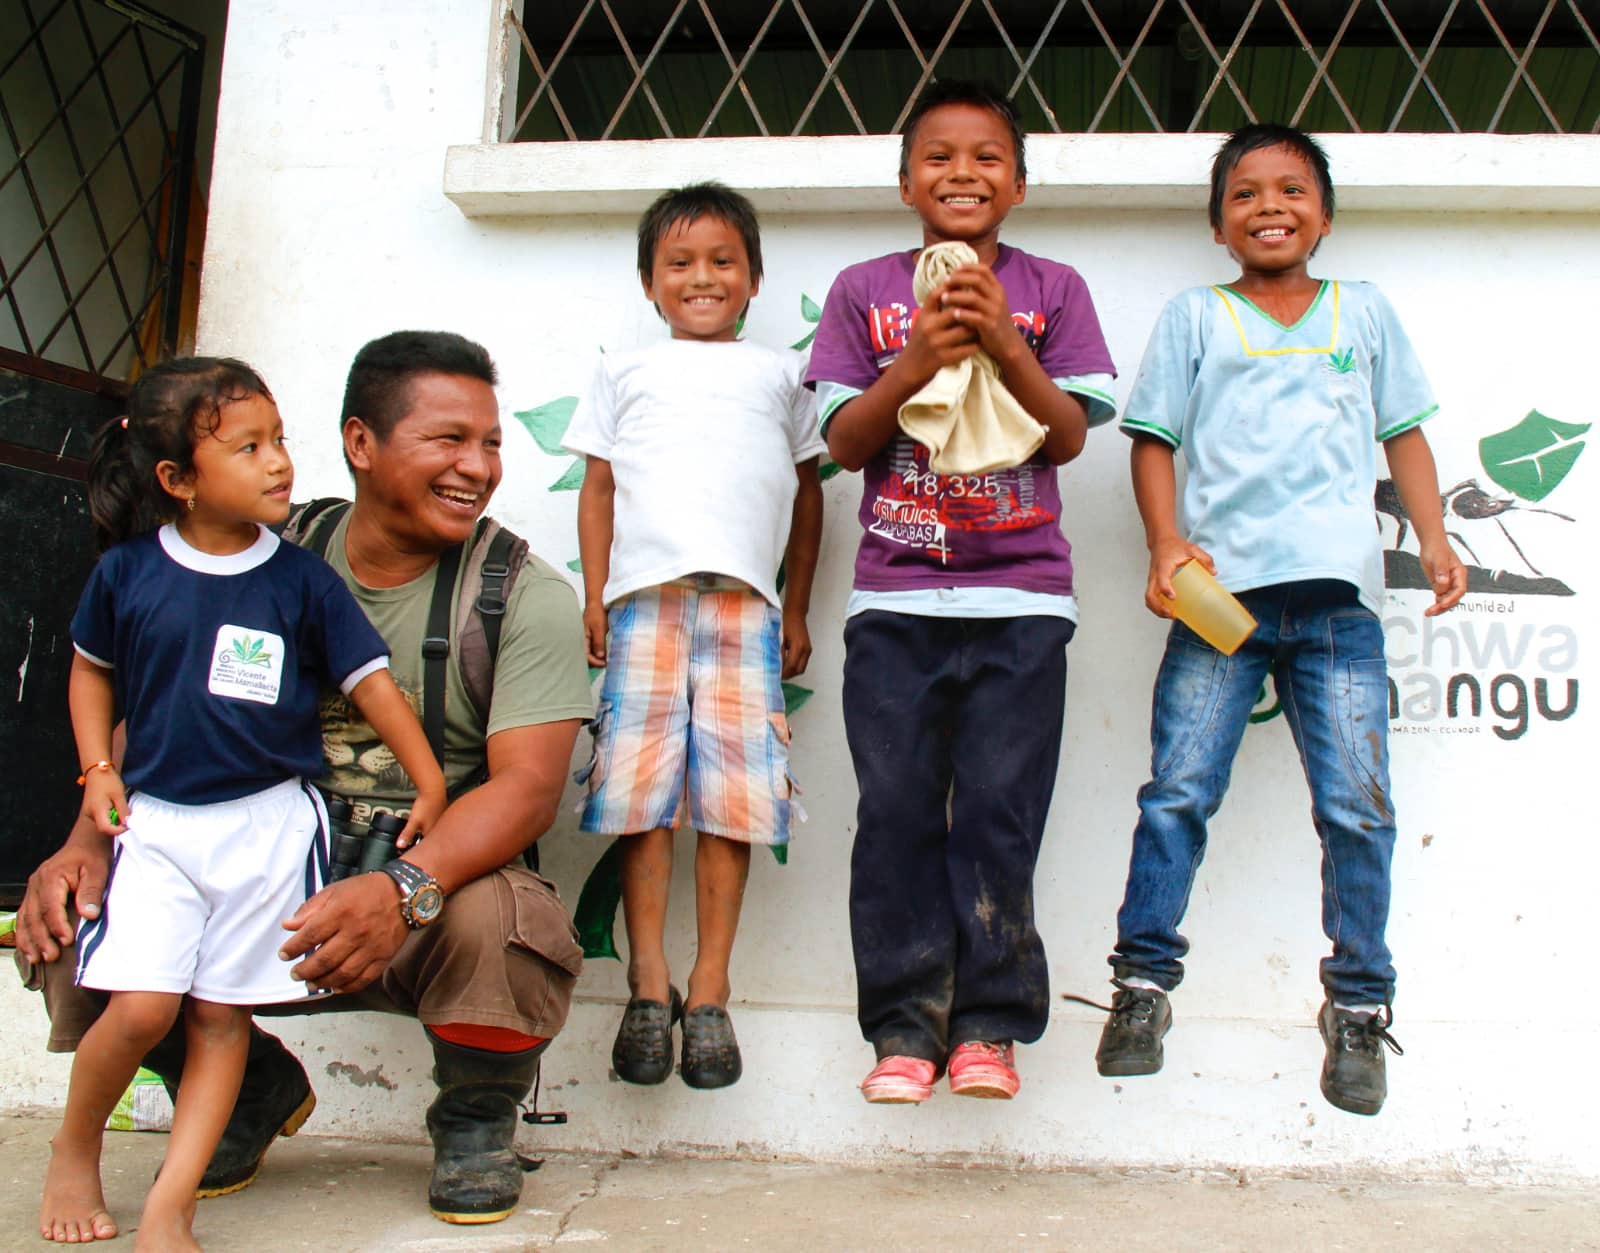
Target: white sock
[1139,981]
[1358,1009]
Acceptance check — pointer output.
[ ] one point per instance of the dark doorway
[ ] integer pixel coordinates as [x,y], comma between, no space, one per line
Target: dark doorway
[100,215]
[46,419]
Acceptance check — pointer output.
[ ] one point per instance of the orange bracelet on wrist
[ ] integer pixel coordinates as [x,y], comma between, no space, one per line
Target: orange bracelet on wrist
[99,765]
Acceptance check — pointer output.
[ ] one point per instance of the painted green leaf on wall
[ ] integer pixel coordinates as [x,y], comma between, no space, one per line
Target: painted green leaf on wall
[794,696]
[571,478]
[596,912]
[1531,458]
[548,423]
[812,313]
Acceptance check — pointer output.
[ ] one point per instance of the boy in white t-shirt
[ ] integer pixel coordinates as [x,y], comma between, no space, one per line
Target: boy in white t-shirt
[702,476]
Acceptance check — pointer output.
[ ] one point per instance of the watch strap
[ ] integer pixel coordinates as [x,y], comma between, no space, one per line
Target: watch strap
[410,879]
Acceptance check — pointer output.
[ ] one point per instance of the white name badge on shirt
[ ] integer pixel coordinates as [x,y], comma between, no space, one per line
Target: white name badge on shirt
[247,665]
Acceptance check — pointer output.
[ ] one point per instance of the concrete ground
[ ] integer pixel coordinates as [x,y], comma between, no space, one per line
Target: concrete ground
[346,1196]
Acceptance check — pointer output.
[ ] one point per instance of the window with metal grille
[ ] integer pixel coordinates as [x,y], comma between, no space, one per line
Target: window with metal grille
[648,69]
[98,107]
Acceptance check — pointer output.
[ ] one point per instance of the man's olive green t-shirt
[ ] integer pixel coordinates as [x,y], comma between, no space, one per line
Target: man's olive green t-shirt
[540,675]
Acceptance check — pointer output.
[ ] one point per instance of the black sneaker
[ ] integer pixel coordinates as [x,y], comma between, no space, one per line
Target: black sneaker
[1353,1076]
[1130,1043]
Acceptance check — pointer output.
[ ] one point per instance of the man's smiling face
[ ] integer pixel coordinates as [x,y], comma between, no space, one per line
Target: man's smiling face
[434,473]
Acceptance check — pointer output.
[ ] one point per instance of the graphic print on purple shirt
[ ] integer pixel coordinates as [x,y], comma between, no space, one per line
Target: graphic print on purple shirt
[890,324]
[924,530]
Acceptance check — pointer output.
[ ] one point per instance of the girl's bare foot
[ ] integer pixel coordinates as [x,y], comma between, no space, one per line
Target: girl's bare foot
[73,1210]
[165,1230]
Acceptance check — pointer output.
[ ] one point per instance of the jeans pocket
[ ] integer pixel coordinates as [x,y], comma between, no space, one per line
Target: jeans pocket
[1361,702]
[1188,690]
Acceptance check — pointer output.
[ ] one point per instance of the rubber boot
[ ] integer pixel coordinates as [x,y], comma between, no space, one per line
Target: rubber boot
[275,1100]
[473,1123]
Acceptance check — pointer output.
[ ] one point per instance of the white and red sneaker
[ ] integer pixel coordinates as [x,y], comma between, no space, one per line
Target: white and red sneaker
[899,1080]
[984,1068]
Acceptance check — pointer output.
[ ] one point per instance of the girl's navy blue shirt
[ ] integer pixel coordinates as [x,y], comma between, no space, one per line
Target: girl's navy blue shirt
[219,662]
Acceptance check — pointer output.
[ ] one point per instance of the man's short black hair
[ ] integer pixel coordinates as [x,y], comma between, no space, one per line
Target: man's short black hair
[960,91]
[690,204]
[377,390]
[1253,138]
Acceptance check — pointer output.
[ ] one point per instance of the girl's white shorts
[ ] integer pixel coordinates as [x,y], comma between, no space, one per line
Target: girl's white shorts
[198,894]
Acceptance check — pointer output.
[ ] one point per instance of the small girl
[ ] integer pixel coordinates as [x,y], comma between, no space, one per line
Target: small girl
[211,639]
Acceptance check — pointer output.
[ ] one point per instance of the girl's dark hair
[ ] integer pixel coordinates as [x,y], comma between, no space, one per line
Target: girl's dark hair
[172,407]
[690,204]
[958,91]
[1253,138]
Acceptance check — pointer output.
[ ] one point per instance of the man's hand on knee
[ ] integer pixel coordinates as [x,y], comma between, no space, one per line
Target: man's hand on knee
[346,933]
[76,872]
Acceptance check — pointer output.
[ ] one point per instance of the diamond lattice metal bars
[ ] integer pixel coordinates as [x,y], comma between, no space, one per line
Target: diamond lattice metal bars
[736,71]
[1025,66]
[72,195]
[1594,42]
[1521,63]
[1420,65]
[99,101]
[655,68]
[830,65]
[1223,63]
[1124,65]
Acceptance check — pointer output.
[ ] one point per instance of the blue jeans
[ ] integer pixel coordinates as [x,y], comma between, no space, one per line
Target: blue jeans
[954,727]
[1325,653]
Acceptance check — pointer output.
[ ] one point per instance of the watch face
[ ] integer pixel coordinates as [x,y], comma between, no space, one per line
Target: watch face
[427,902]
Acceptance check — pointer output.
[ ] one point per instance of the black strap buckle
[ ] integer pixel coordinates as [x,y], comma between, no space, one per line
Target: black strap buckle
[492,598]
[435,649]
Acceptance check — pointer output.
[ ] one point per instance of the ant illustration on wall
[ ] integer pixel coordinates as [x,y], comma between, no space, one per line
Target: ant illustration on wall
[1467,501]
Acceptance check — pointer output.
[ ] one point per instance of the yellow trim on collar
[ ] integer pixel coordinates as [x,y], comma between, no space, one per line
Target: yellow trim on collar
[1244,340]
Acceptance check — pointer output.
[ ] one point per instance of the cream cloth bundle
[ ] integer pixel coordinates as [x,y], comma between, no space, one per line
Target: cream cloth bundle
[964,415]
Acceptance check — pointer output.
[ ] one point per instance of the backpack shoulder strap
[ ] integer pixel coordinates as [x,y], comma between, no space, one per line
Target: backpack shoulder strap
[436,650]
[496,559]
[312,525]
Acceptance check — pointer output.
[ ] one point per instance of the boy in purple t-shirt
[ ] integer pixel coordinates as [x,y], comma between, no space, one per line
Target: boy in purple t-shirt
[956,631]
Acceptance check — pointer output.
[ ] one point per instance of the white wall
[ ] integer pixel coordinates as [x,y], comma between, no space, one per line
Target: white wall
[328,227]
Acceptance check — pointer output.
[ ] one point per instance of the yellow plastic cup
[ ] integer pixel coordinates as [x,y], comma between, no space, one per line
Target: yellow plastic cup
[1209,609]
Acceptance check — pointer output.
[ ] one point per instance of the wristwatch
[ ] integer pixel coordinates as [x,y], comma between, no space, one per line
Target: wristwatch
[421,901]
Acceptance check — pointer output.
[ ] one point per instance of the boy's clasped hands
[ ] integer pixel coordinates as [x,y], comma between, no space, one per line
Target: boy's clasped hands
[967,312]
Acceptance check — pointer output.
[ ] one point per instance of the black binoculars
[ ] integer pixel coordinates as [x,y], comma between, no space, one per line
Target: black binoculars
[358,847]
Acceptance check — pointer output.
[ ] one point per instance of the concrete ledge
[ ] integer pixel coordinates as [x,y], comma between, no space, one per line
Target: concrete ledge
[1237,1094]
[845,174]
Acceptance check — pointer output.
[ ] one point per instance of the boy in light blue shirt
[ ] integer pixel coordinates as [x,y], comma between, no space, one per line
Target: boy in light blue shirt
[1278,388]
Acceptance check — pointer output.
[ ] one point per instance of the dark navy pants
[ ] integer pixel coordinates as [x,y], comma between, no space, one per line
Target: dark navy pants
[954,726]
